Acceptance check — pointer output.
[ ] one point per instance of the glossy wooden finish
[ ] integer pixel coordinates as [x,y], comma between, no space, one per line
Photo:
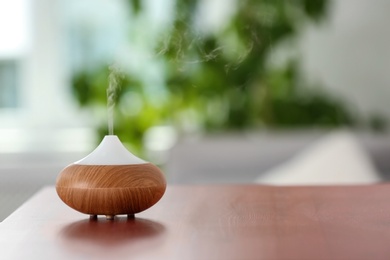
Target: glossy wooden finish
[212,222]
[111,189]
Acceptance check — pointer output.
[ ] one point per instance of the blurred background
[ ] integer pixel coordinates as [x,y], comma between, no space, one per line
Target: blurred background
[216,91]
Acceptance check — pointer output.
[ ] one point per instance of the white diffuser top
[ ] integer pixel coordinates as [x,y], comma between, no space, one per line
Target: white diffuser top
[110,152]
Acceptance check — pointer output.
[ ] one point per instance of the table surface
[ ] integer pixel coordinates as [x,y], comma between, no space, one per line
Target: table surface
[211,222]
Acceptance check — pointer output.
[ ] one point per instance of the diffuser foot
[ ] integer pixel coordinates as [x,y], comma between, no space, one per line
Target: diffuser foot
[110,217]
[93,217]
[130,216]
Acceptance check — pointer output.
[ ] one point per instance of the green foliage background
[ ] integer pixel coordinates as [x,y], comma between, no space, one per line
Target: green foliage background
[219,81]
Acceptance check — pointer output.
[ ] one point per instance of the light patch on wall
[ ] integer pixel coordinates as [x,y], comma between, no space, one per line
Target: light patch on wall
[15,20]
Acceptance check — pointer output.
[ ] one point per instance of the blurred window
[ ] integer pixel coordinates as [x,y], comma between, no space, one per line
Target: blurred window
[9,86]
[15,34]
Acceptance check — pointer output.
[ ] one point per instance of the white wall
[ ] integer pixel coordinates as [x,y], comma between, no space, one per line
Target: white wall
[350,53]
[47,118]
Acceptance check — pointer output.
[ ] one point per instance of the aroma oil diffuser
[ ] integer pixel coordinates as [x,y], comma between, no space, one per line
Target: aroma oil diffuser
[110,181]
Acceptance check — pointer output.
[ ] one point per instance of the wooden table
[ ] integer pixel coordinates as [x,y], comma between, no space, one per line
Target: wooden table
[211,222]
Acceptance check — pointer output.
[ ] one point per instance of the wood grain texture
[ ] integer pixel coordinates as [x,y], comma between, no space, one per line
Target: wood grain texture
[212,222]
[110,189]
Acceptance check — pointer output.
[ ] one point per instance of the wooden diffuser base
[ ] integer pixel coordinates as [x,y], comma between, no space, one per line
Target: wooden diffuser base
[111,189]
